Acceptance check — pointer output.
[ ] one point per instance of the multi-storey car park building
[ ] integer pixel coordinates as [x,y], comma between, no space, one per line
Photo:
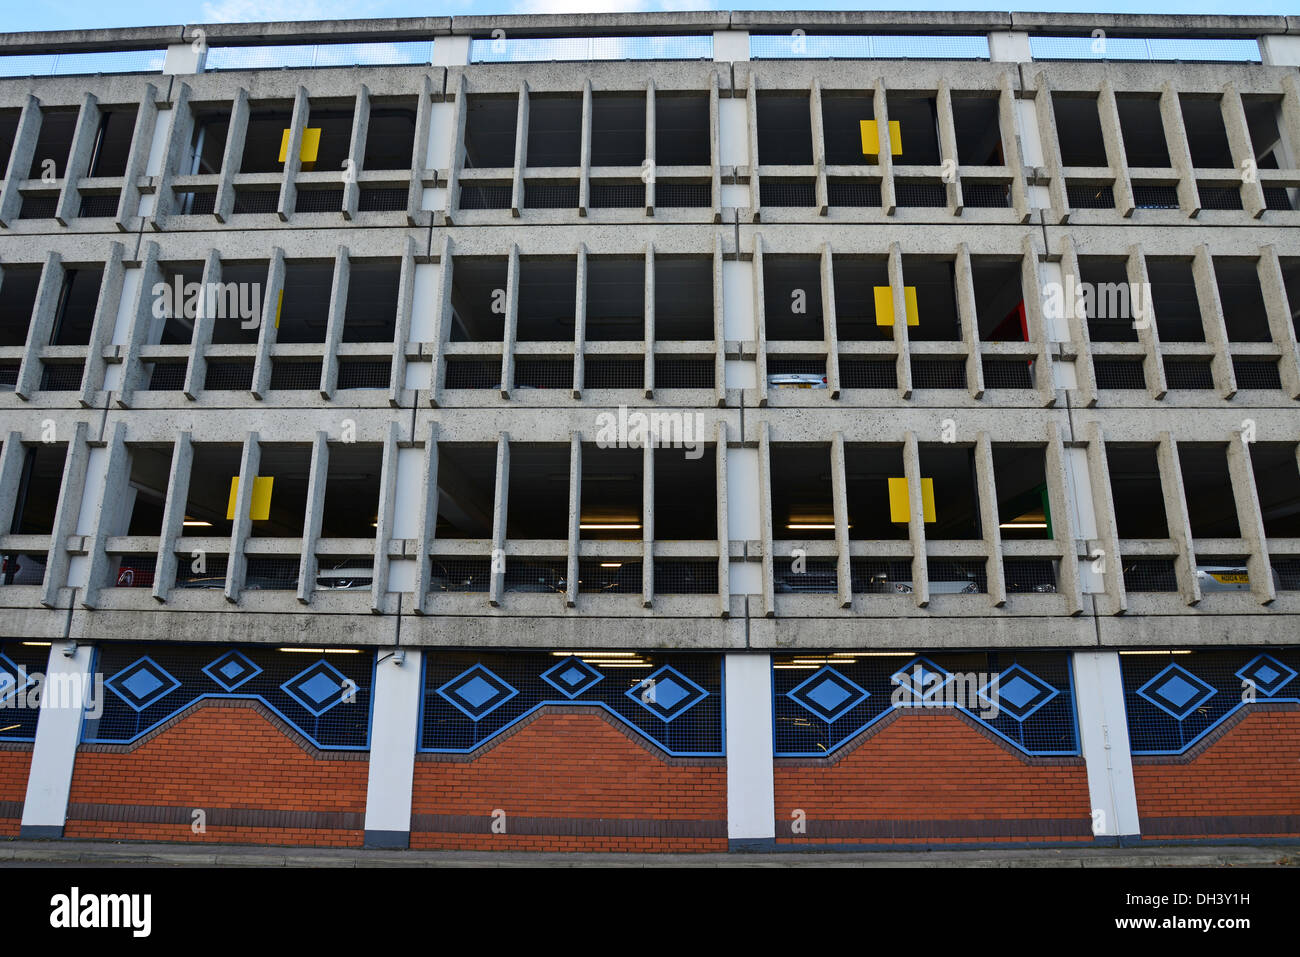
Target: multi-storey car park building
[329,351]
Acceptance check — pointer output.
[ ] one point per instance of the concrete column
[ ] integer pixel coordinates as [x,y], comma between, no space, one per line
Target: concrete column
[830,330]
[402,325]
[384,523]
[1243,153]
[1107,530]
[1103,739]
[173,521]
[292,156]
[719,325]
[356,152]
[968,316]
[765,516]
[394,731]
[420,159]
[176,151]
[428,521]
[650,137]
[1063,529]
[102,507]
[451,51]
[575,519]
[1180,153]
[500,503]
[241,528]
[1216,328]
[1148,332]
[731,46]
[580,323]
[41,326]
[457,160]
[715,148]
[184,58]
[885,157]
[948,147]
[1113,136]
[648,525]
[441,322]
[903,353]
[197,370]
[840,506]
[270,316]
[511,323]
[71,488]
[648,383]
[318,474]
[13,455]
[724,536]
[751,108]
[751,799]
[101,329]
[20,159]
[329,370]
[79,155]
[1180,525]
[584,156]
[1279,309]
[1011,46]
[916,521]
[142,136]
[521,151]
[140,321]
[760,321]
[988,505]
[1012,148]
[1250,519]
[223,206]
[819,147]
[1084,373]
[68,689]
[1051,145]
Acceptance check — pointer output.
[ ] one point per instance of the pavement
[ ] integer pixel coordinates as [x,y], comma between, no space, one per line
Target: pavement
[15,853]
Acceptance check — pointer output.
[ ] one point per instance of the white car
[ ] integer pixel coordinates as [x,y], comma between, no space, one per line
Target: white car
[796,380]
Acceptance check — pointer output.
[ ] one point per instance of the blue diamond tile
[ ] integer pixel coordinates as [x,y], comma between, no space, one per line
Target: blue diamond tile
[1267,674]
[142,683]
[1019,693]
[572,676]
[922,678]
[667,693]
[477,692]
[13,678]
[1176,691]
[231,670]
[827,694]
[320,687]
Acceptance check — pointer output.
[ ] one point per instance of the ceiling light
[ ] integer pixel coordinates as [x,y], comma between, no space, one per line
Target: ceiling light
[37,644]
[323,651]
[610,526]
[1023,525]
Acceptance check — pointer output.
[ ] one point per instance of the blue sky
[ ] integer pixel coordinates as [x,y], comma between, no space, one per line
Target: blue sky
[83,14]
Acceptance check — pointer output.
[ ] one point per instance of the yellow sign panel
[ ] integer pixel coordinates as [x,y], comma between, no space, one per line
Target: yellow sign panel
[310,147]
[259,510]
[279,304]
[900,511]
[885,305]
[871,138]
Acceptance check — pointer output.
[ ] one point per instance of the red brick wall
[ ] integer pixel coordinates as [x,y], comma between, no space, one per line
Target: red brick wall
[234,760]
[1245,781]
[930,777]
[13,786]
[570,779]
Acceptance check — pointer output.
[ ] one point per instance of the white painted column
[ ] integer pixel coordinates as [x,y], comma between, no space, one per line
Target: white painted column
[394,724]
[751,801]
[1103,738]
[63,700]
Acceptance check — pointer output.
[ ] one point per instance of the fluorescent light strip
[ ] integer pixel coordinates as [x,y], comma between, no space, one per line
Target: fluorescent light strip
[323,651]
[37,644]
[808,526]
[1159,652]
[609,526]
[596,654]
[1023,525]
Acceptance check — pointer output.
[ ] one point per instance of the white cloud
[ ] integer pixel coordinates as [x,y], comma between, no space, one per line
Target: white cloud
[608,6]
[259,11]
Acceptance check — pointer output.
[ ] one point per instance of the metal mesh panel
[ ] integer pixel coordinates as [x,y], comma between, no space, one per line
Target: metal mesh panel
[938,373]
[823,701]
[549,195]
[167,377]
[868,374]
[1139,48]
[324,54]
[196,204]
[1008,373]
[913,193]
[1155,197]
[271,573]
[1150,574]
[344,572]
[880,576]
[544,575]
[964,577]
[680,577]
[62,376]
[365,374]
[683,195]
[546,49]
[1219,197]
[99,205]
[986,195]
[543,374]
[256,200]
[22,568]
[473,373]
[609,576]
[1256,373]
[379,199]
[1119,373]
[1089,196]
[1286,573]
[613,373]
[38,206]
[1174,700]
[324,696]
[796,366]
[211,572]
[485,197]
[8,376]
[1188,374]
[136,571]
[785,46]
[320,201]
[1029,575]
[83,64]
[785,193]
[673,700]
[847,192]
[811,577]
[617,195]
[460,575]
[295,376]
[684,374]
[19,688]
[1275,197]
[228,376]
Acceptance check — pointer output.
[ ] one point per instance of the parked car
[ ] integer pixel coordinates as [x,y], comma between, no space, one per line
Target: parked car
[796,380]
